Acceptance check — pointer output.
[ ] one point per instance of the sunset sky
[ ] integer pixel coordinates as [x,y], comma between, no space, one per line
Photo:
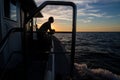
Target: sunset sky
[92,15]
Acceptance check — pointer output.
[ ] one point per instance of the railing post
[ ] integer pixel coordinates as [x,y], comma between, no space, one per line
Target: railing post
[73,40]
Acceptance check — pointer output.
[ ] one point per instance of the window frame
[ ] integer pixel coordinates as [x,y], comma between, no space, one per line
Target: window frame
[8,9]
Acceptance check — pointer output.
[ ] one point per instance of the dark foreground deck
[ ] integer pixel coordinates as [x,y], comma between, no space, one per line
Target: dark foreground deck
[62,63]
[38,62]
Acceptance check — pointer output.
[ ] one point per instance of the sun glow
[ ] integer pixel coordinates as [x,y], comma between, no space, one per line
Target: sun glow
[61,27]
[56,27]
[53,26]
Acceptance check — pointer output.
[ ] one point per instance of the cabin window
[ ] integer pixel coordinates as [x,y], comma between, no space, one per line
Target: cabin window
[10,9]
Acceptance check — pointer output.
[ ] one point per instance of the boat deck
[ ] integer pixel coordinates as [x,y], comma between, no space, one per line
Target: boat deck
[37,62]
[40,61]
[62,65]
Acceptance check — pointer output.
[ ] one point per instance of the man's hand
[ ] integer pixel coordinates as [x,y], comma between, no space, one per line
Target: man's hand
[52,31]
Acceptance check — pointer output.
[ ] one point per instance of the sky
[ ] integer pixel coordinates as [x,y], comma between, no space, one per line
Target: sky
[92,15]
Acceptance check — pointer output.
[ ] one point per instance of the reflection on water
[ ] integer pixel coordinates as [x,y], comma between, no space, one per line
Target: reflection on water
[98,42]
[96,50]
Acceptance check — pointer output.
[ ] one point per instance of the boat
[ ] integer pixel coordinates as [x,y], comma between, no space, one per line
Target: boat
[24,57]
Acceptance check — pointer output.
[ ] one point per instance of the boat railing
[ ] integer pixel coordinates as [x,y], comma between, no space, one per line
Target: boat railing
[59,59]
[4,40]
[3,44]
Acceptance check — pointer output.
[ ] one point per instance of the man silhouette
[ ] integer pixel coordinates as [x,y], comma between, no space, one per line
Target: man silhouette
[43,30]
[45,39]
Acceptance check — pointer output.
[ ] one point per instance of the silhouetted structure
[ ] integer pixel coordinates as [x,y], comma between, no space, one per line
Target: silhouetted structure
[44,33]
[22,55]
[43,30]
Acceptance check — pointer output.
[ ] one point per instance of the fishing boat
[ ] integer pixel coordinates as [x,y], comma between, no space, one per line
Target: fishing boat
[22,55]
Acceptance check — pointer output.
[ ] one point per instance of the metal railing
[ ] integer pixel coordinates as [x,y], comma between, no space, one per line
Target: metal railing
[3,44]
[4,40]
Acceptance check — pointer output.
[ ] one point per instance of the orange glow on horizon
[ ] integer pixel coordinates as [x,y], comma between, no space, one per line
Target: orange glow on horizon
[80,27]
[58,27]
[98,29]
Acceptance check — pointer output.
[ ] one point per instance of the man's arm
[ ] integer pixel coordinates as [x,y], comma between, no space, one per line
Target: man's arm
[50,27]
[52,31]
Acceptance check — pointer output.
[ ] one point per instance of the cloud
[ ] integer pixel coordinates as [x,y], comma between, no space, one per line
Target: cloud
[94,10]
[92,13]
[108,1]
[59,12]
[13,13]
[118,14]
[109,16]
[85,20]
[81,2]
[86,12]
[96,14]
[91,18]
[13,17]
[65,13]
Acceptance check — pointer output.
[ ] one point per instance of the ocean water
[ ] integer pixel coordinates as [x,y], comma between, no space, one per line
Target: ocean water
[95,49]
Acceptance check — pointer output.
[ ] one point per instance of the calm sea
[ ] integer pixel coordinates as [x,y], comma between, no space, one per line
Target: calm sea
[96,49]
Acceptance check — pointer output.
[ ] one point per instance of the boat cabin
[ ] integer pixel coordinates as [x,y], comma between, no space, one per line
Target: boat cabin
[12,15]
[21,56]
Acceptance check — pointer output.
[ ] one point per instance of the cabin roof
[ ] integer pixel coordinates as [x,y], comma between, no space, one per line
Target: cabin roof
[38,15]
[29,6]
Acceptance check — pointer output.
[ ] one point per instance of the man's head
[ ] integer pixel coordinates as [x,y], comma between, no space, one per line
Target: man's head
[51,19]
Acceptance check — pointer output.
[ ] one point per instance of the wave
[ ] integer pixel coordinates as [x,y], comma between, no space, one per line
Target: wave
[94,74]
